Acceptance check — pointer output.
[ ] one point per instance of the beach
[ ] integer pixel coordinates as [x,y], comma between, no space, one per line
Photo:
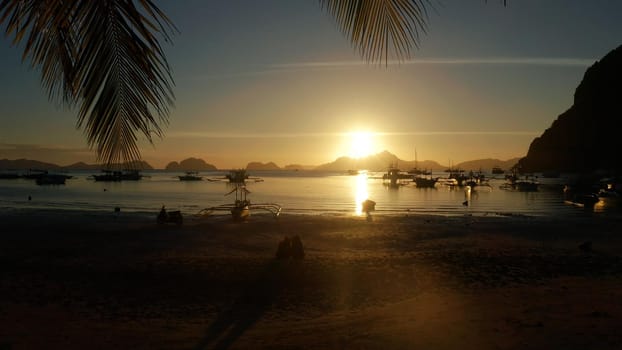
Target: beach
[76,280]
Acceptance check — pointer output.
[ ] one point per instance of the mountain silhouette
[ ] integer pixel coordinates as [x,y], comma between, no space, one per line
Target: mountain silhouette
[190,164]
[585,137]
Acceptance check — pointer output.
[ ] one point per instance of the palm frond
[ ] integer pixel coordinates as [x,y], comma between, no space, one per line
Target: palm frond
[381,29]
[103,56]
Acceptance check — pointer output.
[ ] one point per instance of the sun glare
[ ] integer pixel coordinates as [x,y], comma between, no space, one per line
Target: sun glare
[361,144]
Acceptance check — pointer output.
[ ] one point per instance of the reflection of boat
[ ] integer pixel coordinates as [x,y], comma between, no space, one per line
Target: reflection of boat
[582,196]
[190,176]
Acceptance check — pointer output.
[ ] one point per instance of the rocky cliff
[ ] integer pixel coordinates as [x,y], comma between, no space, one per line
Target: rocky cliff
[586,137]
[190,164]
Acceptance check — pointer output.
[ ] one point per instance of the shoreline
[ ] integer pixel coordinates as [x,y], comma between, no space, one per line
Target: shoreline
[410,281]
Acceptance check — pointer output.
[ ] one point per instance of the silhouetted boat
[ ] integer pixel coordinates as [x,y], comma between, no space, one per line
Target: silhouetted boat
[241,208]
[394,175]
[550,174]
[51,179]
[34,174]
[416,170]
[526,184]
[457,177]
[425,182]
[497,170]
[237,176]
[116,175]
[190,176]
[9,176]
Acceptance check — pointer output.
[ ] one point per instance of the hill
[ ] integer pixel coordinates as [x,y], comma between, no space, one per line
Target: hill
[35,164]
[585,137]
[190,164]
[262,166]
[377,162]
[26,164]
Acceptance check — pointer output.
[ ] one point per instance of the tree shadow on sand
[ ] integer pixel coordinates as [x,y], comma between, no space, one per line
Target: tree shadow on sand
[257,298]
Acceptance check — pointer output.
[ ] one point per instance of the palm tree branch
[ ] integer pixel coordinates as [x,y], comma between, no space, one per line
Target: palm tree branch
[105,58]
[381,29]
[124,78]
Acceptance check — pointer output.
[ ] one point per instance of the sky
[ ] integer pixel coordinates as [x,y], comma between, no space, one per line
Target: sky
[276,80]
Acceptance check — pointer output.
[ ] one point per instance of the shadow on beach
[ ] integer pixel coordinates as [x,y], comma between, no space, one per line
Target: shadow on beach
[257,298]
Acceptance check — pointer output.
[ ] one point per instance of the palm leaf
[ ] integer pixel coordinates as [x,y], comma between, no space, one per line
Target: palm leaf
[381,29]
[104,57]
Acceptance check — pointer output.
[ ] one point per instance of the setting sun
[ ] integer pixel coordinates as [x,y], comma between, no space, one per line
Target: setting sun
[361,144]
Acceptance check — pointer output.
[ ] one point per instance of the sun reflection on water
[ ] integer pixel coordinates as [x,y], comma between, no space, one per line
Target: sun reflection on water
[360,192]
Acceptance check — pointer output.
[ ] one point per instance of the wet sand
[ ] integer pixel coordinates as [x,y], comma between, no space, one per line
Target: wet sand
[101,281]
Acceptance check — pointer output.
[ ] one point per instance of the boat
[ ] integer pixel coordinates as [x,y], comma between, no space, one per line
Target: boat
[497,170]
[190,176]
[241,209]
[116,175]
[425,182]
[51,179]
[457,177]
[416,170]
[527,184]
[6,176]
[108,175]
[477,181]
[394,175]
[132,175]
[34,174]
[551,174]
[238,176]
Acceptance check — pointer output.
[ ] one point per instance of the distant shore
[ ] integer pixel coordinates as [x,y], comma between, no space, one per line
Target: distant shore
[74,280]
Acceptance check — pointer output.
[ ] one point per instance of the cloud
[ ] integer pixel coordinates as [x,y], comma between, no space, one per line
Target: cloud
[17,147]
[279,68]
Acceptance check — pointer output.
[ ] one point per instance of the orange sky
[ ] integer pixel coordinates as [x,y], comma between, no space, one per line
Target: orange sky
[276,81]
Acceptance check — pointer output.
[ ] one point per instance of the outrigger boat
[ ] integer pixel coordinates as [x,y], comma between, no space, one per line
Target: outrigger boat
[238,176]
[190,176]
[115,175]
[241,209]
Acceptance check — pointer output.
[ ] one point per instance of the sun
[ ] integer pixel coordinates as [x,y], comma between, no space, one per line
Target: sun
[361,144]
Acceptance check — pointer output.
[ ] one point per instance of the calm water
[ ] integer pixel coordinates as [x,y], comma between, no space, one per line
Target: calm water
[298,192]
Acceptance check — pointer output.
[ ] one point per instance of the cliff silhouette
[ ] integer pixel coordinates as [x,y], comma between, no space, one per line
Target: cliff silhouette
[190,164]
[585,138]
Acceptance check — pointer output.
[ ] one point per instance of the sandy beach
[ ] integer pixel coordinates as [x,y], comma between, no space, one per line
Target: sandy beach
[100,281]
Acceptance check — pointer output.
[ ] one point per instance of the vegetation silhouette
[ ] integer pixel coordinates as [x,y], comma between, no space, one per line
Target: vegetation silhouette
[105,57]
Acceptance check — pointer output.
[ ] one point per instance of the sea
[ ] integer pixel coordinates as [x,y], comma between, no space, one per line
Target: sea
[296,192]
